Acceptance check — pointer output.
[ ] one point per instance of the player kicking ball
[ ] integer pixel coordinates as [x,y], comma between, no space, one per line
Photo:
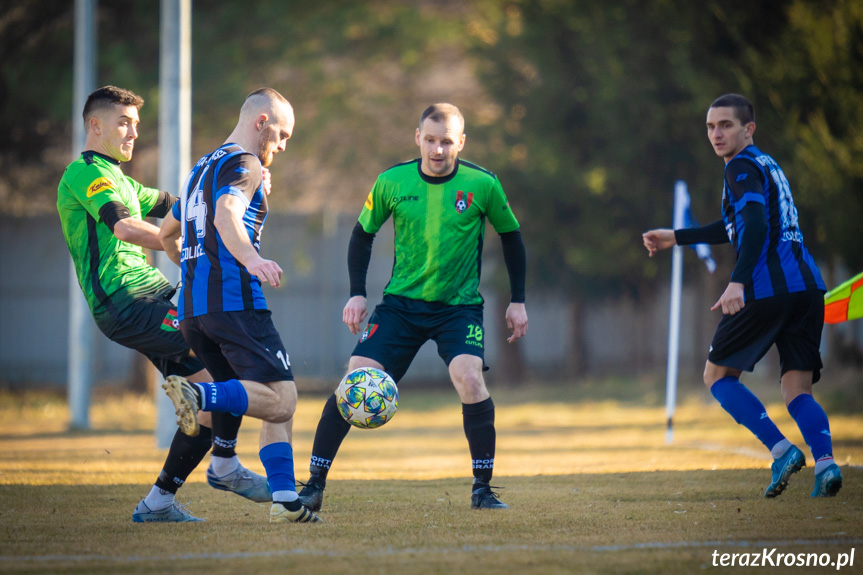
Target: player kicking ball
[213,233]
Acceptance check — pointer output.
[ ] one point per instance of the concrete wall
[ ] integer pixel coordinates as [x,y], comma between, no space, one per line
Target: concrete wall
[622,336]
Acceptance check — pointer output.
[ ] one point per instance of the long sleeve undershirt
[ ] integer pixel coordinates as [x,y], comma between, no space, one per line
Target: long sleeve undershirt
[751,241]
[360,253]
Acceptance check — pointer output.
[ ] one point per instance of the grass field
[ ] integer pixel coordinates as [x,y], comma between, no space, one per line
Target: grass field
[591,484]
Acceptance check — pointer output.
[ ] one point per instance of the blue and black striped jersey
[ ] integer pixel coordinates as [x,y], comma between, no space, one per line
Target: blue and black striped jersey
[784,265]
[213,280]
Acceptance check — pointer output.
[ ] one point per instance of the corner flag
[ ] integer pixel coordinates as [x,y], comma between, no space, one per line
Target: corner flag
[689,221]
[682,219]
[844,302]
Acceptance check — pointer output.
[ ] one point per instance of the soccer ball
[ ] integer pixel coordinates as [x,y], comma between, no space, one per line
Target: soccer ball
[367,397]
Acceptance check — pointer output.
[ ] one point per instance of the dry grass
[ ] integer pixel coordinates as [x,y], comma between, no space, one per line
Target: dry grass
[592,486]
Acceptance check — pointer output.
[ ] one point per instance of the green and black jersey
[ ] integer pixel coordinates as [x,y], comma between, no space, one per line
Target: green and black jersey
[111,273]
[439,228]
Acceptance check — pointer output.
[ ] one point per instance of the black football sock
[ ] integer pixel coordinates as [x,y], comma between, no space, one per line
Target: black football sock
[184,456]
[294,505]
[479,429]
[226,427]
[332,430]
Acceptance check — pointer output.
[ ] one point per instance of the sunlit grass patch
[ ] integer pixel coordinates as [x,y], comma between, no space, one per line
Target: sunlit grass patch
[591,484]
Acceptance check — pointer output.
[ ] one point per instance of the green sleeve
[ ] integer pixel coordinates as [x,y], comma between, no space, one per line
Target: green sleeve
[95,187]
[499,212]
[377,208]
[146,196]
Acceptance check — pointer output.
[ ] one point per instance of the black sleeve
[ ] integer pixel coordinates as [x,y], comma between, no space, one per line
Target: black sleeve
[751,242]
[516,263]
[241,172]
[359,255]
[743,176]
[710,234]
[112,212]
[163,205]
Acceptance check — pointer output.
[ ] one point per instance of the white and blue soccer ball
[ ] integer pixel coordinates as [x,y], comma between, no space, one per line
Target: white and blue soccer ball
[367,397]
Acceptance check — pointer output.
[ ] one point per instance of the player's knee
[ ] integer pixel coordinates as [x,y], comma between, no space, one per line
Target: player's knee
[281,413]
[284,403]
[470,382]
[710,376]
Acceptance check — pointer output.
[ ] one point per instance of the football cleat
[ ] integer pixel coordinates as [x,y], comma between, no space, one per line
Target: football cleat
[187,400]
[243,482]
[484,498]
[175,513]
[312,495]
[828,482]
[281,514]
[783,468]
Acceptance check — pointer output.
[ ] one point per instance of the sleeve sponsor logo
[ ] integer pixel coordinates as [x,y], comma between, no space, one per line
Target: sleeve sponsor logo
[370,203]
[99,185]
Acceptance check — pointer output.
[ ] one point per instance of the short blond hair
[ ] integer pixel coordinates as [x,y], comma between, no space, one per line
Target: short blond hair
[441,112]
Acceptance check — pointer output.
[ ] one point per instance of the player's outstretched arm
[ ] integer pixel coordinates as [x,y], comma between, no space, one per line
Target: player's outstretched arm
[355,313]
[656,240]
[229,223]
[516,321]
[169,237]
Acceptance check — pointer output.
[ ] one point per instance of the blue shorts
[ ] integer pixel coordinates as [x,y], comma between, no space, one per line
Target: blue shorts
[239,345]
[792,321]
[149,326]
[399,326]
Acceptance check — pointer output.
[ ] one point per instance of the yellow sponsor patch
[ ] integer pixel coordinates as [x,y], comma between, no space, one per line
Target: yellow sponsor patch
[99,185]
[370,203]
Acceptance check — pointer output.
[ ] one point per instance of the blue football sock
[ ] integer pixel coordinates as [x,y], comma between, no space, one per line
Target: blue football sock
[813,424]
[278,460]
[746,409]
[224,396]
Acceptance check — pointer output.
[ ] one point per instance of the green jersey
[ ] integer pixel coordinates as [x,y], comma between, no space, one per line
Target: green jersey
[111,273]
[439,228]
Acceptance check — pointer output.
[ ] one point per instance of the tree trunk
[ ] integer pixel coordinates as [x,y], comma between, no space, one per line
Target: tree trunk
[142,375]
[511,356]
[577,362]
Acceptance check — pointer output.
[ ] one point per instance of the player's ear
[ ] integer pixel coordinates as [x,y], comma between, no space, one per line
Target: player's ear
[261,121]
[461,142]
[750,129]
[418,137]
[94,125]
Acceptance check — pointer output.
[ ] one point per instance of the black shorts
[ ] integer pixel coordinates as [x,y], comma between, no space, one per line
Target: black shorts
[150,326]
[239,345]
[399,327]
[792,321]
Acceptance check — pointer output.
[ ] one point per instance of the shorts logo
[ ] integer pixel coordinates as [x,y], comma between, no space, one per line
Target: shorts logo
[463,202]
[170,323]
[370,203]
[99,185]
[369,332]
[474,335]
